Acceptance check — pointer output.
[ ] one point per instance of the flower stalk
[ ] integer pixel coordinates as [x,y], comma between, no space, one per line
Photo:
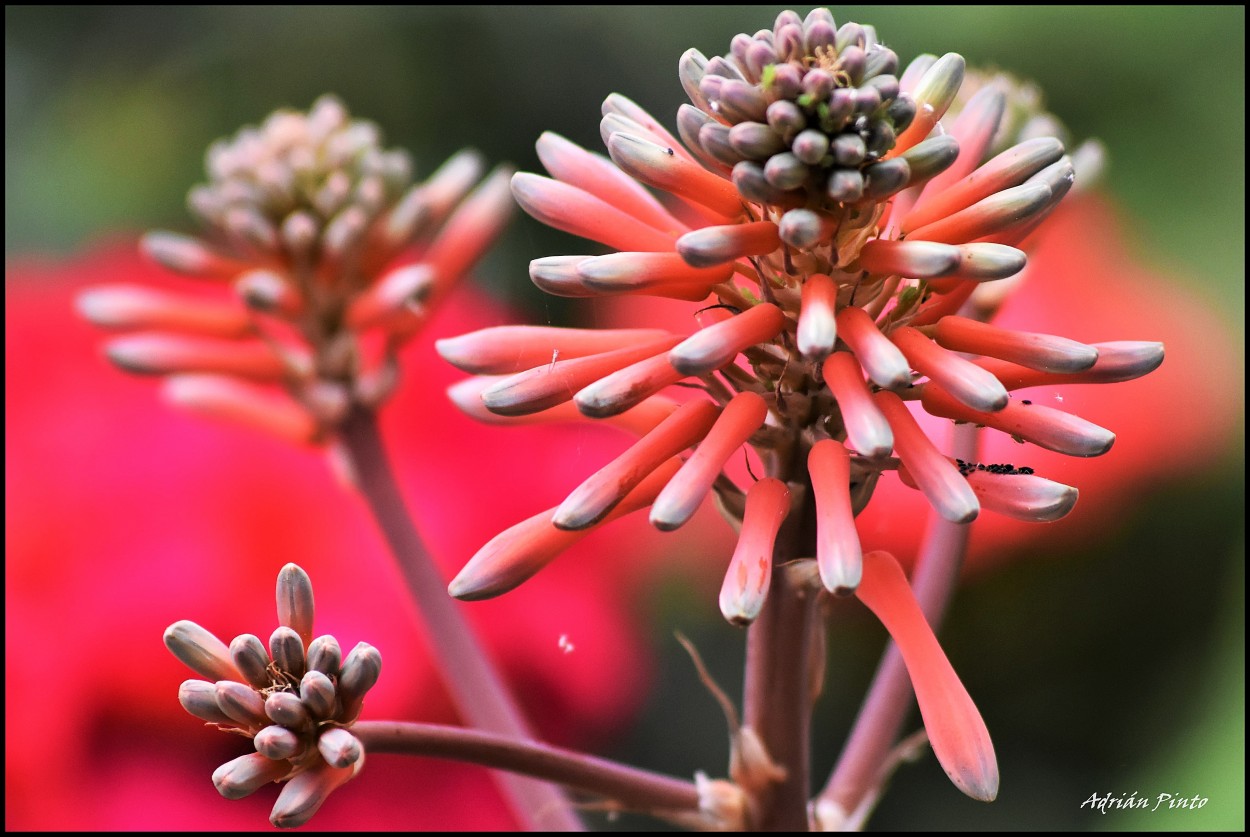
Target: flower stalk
[625,787]
[475,685]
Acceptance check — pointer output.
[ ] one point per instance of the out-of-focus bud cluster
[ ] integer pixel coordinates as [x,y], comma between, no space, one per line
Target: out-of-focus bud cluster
[295,698]
[335,259]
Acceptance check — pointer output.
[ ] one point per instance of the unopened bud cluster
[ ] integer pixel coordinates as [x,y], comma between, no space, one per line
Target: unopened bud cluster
[803,113]
[296,698]
[334,258]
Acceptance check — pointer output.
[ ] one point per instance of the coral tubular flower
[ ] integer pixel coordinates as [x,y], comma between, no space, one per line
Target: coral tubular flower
[751,568]
[295,698]
[839,557]
[312,224]
[842,222]
[514,555]
[956,731]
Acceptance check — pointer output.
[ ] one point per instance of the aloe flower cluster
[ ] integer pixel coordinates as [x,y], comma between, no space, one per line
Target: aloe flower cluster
[295,698]
[832,217]
[333,258]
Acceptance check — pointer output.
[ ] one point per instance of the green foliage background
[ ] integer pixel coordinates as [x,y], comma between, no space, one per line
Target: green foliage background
[1117,669]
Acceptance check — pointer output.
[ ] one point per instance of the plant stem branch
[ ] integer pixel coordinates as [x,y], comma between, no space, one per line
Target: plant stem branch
[631,787]
[475,686]
[865,762]
[779,692]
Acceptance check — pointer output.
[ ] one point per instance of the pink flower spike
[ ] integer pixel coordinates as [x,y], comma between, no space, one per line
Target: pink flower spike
[959,737]
[472,228]
[934,93]
[188,256]
[718,345]
[655,274]
[398,292]
[866,428]
[913,259]
[1001,211]
[137,307]
[961,378]
[623,389]
[165,354]
[660,167]
[1025,497]
[504,350]
[1036,351]
[554,383]
[516,554]
[750,570]
[818,326]
[595,174]
[591,501]
[838,553]
[638,421]
[1043,426]
[1010,168]
[711,246]
[880,358]
[1117,362]
[679,500]
[936,476]
[570,209]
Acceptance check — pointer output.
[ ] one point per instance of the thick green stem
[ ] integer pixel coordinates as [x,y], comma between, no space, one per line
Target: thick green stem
[475,686]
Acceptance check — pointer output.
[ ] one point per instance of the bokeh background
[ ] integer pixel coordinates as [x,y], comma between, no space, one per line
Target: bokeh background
[1112,665]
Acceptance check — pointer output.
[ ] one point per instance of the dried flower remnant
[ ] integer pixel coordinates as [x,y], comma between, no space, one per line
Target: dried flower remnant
[296,698]
[835,217]
[313,225]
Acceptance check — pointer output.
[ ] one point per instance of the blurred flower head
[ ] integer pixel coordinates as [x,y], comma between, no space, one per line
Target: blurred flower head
[311,224]
[173,516]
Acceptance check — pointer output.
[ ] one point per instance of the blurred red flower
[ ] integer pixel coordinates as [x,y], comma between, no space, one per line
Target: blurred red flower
[123,516]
